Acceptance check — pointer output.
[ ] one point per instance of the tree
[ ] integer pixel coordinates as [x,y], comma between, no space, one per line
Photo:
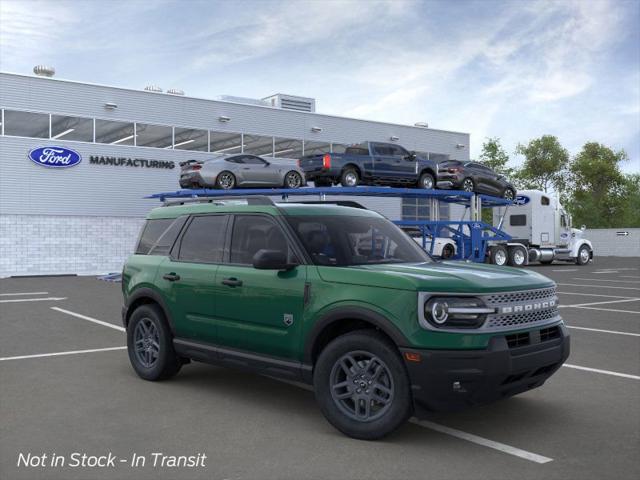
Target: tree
[599,194]
[545,164]
[630,215]
[495,157]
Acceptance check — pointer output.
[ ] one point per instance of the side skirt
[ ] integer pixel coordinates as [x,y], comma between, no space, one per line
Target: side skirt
[252,362]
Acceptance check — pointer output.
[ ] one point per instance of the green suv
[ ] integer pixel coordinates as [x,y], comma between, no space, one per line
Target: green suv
[340,298]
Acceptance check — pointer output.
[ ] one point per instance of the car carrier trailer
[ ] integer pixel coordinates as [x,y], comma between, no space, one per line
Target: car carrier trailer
[474,239]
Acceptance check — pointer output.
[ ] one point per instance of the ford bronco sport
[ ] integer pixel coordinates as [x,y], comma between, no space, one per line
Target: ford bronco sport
[339,298]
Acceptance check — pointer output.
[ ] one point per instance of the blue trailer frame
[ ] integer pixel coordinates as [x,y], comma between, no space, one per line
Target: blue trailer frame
[472,237]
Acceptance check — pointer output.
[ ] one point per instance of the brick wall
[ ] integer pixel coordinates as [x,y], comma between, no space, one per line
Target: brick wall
[84,245]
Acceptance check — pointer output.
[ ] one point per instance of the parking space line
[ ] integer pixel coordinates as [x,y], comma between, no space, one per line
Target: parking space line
[604,331]
[43,299]
[592,295]
[89,319]
[567,270]
[606,271]
[629,276]
[606,372]
[57,354]
[23,293]
[597,286]
[608,310]
[485,442]
[599,303]
[606,280]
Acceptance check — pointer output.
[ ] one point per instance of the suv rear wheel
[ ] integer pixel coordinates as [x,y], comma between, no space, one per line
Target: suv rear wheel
[150,345]
[362,386]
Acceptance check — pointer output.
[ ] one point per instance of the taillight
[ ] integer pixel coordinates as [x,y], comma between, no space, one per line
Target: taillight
[326,161]
[196,167]
[299,162]
[453,170]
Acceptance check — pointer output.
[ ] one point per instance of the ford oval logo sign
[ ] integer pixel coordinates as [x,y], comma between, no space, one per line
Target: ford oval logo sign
[521,200]
[55,157]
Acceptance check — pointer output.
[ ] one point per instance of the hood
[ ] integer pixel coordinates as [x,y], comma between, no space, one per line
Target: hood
[451,276]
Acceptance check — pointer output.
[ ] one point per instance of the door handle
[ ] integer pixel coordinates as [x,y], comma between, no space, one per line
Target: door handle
[232,282]
[172,277]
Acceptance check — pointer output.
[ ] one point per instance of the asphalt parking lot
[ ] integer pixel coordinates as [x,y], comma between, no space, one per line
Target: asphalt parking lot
[66,386]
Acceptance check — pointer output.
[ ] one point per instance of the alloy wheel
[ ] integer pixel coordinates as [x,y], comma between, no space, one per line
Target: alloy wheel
[467,185]
[146,343]
[362,386]
[351,179]
[508,194]
[293,180]
[427,182]
[226,181]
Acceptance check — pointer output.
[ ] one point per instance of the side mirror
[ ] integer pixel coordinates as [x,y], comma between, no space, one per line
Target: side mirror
[583,228]
[271,260]
[411,156]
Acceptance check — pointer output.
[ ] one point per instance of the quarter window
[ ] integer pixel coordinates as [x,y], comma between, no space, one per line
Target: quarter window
[151,232]
[203,242]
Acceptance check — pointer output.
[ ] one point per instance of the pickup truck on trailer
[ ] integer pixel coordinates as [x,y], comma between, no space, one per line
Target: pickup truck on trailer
[370,163]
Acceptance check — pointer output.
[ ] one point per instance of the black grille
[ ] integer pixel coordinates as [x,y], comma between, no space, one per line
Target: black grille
[518,297]
[550,333]
[518,339]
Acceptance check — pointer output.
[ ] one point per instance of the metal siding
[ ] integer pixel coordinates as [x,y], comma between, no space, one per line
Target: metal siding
[102,190]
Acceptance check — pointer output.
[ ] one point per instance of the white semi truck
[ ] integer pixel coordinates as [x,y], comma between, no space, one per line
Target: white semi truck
[541,231]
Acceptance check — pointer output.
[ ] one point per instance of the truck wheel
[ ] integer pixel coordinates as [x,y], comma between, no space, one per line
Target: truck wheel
[448,251]
[468,185]
[426,181]
[150,344]
[509,194]
[584,255]
[362,386]
[226,180]
[517,256]
[499,255]
[349,178]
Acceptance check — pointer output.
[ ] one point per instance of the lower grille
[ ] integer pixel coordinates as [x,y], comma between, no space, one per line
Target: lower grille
[516,340]
[550,333]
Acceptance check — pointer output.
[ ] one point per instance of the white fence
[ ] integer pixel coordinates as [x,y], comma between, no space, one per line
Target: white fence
[617,242]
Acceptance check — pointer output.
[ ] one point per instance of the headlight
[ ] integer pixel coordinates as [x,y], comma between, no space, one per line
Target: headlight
[456,312]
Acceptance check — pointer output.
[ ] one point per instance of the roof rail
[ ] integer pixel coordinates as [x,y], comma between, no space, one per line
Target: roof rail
[219,200]
[342,203]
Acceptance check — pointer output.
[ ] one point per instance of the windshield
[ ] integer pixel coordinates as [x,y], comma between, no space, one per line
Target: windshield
[343,241]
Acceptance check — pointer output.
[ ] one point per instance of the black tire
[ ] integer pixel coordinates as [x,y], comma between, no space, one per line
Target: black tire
[427,181]
[322,182]
[448,251]
[225,180]
[349,177]
[584,255]
[499,255]
[392,375]
[293,180]
[166,363]
[509,194]
[517,257]
[468,185]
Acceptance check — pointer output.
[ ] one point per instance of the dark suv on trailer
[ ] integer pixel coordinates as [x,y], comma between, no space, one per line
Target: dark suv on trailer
[474,177]
[340,298]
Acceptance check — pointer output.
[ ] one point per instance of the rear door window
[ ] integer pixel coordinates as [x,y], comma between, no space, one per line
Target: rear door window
[252,233]
[203,240]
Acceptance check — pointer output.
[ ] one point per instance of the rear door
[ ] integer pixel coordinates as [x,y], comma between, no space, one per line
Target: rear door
[403,167]
[383,160]
[187,277]
[259,310]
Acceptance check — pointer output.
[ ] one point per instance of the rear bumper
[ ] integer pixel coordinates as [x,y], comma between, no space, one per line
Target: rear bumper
[191,179]
[311,173]
[449,181]
[446,380]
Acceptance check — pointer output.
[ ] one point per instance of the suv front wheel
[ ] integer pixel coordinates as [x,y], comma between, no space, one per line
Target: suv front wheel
[150,345]
[362,386]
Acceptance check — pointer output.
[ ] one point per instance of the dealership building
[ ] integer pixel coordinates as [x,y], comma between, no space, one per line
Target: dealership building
[127,144]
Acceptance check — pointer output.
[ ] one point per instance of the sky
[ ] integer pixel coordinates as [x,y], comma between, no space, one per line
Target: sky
[509,69]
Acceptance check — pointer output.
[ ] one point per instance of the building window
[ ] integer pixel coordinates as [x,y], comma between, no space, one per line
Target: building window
[415,209]
[225,143]
[71,128]
[191,139]
[157,136]
[258,145]
[316,148]
[114,133]
[26,124]
[287,148]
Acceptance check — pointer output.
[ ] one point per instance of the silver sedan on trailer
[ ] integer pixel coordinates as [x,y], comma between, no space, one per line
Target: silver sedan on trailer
[244,170]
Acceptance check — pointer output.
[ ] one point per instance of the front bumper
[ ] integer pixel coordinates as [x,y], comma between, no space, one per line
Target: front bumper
[446,380]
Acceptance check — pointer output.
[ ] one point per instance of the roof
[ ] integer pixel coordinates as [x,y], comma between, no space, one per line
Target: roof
[238,206]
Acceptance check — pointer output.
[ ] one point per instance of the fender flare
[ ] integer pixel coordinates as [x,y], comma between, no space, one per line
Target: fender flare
[580,243]
[351,313]
[147,293]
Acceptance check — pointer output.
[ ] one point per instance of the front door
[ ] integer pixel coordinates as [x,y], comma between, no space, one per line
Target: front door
[259,310]
[187,277]
[257,171]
